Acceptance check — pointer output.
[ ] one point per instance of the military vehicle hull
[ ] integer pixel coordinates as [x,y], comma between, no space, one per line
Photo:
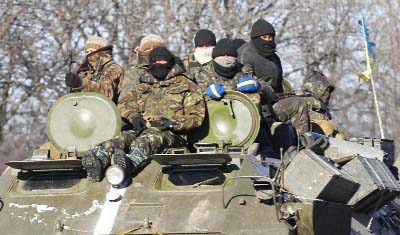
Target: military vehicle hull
[155,202]
[217,190]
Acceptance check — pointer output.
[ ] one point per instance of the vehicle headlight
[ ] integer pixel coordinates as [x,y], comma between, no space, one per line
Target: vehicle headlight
[115,175]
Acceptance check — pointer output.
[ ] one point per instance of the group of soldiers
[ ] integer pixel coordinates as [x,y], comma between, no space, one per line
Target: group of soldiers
[161,97]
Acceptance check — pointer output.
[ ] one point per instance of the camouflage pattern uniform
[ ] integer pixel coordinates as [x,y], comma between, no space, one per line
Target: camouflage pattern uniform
[295,110]
[136,69]
[320,89]
[176,98]
[269,71]
[207,76]
[139,62]
[101,74]
[193,67]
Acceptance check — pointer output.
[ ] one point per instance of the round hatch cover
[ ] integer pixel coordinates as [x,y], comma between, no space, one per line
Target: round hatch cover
[82,120]
[233,120]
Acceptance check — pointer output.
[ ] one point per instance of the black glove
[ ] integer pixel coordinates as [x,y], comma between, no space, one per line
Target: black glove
[138,123]
[73,80]
[163,123]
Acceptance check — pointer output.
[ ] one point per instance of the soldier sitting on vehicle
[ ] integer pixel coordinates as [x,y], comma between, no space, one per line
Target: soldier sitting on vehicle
[225,73]
[320,89]
[260,55]
[162,108]
[204,41]
[100,73]
[142,47]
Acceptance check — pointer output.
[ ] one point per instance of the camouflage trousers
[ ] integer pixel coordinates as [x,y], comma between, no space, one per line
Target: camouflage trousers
[295,110]
[150,141]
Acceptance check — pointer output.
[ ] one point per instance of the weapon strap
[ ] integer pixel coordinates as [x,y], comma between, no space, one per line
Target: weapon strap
[98,75]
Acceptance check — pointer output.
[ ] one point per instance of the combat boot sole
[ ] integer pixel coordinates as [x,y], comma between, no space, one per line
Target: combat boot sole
[93,167]
[120,159]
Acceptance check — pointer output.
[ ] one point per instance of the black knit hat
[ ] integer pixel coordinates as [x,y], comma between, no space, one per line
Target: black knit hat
[161,53]
[261,27]
[224,47]
[204,37]
[238,42]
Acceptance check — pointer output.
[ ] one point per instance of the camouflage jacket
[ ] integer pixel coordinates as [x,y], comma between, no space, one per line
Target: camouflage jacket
[176,98]
[106,78]
[317,108]
[135,71]
[320,89]
[207,76]
[193,67]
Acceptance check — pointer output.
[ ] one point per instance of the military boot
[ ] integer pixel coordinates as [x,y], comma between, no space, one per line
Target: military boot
[137,158]
[120,159]
[95,162]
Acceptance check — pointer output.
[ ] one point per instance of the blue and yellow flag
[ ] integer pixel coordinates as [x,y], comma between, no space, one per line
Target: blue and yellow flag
[369,52]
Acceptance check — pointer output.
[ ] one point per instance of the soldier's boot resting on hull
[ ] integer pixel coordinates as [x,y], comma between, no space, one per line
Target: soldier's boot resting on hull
[120,159]
[95,162]
[138,159]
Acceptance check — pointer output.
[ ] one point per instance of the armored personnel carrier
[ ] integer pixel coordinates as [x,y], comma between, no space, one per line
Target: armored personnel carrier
[214,186]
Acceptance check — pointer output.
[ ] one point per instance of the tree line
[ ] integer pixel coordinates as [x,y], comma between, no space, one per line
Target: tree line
[37,36]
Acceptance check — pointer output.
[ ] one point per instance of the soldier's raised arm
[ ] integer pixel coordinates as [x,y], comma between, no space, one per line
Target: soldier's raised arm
[109,85]
[100,72]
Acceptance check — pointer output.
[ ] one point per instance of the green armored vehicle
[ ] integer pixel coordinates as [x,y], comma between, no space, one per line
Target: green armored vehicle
[214,186]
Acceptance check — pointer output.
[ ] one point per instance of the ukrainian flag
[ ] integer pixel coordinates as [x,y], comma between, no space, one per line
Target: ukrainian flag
[369,52]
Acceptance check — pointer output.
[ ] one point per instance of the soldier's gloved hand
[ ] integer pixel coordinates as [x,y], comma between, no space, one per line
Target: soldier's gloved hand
[215,91]
[163,123]
[247,85]
[73,80]
[138,123]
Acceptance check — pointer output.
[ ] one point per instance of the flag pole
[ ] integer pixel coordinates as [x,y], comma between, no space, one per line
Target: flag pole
[378,114]
[369,73]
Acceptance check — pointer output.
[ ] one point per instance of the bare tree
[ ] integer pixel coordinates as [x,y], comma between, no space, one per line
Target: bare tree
[36,38]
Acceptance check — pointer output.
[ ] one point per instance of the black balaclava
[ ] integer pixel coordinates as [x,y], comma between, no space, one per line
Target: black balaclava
[238,42]
[225,47]
[160,71]
[264,48]
[227,72]
[204,37]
